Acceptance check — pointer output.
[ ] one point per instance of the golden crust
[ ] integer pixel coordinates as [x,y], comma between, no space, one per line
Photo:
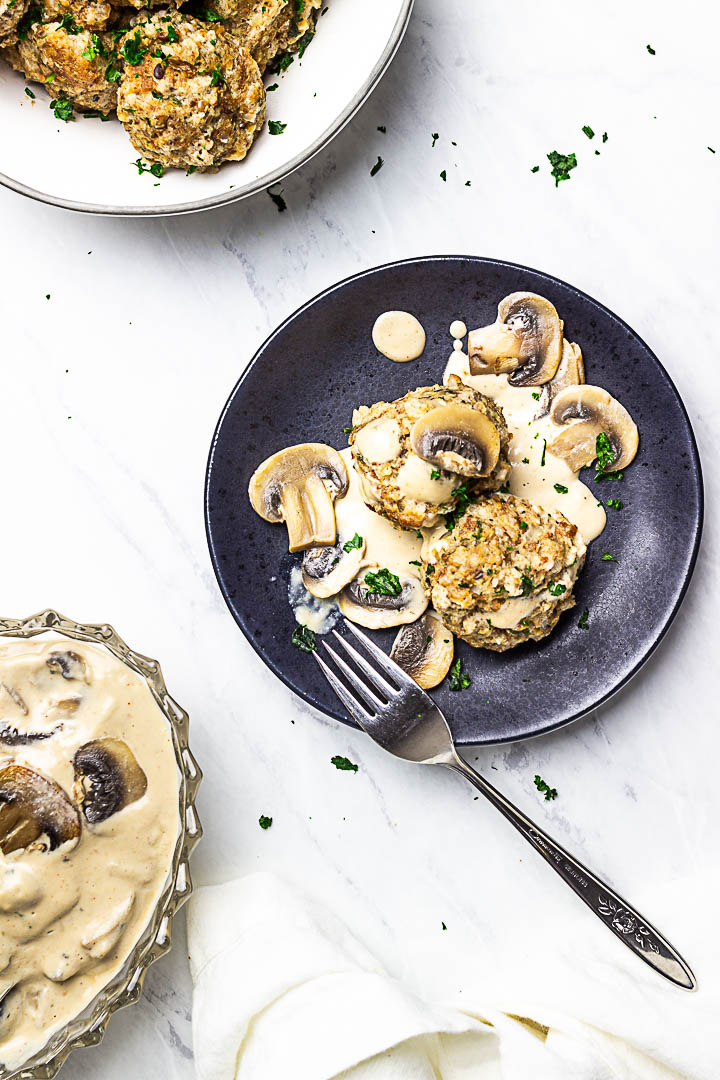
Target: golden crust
[380,480]
[11,13]
[497,564]
[70,60]
[196,97]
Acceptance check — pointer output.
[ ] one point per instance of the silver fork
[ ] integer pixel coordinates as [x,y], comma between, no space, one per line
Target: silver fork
[405,721]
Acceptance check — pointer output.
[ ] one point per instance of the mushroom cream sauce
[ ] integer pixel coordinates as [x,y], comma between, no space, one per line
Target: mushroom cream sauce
[69,918]
[535,472]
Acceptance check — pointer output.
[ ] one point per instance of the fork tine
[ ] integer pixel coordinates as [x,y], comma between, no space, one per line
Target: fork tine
[389,666]
[375,678]
[355,682]
[358,713]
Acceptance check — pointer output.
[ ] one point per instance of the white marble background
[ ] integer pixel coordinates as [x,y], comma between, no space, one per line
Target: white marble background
[111,389]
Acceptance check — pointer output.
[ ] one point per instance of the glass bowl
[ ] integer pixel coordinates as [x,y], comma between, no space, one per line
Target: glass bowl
[125,986]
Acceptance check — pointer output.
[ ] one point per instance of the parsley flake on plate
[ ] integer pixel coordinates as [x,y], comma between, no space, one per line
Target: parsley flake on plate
[303,638]
[561,489]
[616,504]
[459,679]
[443,175]
[62,109]
[584,620]
[587,130]
[607,557]
[343,764]
[275,127]
[435,137]
[264,822]
[650,50]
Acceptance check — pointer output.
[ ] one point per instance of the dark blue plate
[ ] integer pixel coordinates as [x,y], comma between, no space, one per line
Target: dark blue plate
[302,386]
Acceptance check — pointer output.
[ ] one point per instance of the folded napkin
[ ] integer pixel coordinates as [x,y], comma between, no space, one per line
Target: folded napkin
[284,991]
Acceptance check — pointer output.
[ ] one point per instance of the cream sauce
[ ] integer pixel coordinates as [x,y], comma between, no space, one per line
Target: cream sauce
[529,478]
[379,441]
[317,613]
[416,478]
[399,336]
[386,544]
[458,329]
[69,918]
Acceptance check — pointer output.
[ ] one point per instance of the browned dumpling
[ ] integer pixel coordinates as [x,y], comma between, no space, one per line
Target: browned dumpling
[190,94]
[71,61]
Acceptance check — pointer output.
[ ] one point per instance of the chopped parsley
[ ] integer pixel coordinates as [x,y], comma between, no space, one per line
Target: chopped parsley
[95,48]
[218,79]
[347,430]
[383,582]
[562,164]
[584,620]
[435,137]
[209,15]
[343,763]
[605,136]
[615,504]
[275,127]
[434,474]
[607,557]
[303,638]
[269,89]
[133,51]
[651,50]
[463,500]
[382,129]
[561,489]
[535,395]
[523,526]
[550,792]
[264,822]
[62,109]
[156,169]
[526,461]
[459,679]
[419,534]
[542,459]
[377,166]
[112,73]
[588,131]
[29,93]
[69,25]
[605,457]
[527,584]
[356,542]
[556,588]
[172,34]
[535,168]
[443,175]
[304,42]
[443,926]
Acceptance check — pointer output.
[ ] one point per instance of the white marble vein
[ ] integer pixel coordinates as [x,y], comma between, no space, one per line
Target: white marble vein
[111,389]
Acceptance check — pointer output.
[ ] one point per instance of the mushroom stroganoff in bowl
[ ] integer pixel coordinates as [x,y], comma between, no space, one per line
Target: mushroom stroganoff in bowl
[458,510]
[96,825]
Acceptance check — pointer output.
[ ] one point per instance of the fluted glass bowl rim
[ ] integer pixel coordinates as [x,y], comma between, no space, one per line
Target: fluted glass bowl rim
[88,1028]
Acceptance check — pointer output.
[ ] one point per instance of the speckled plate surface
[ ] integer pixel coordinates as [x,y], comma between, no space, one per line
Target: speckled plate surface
[302,386]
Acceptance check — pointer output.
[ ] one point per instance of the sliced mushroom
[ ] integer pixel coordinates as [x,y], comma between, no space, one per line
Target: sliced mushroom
[107,778]
[526,340]
[425,650]
[359,603]
[570,372]
[34,811]
[69,665]
[12,736]
[597,412]
[298,485]
[327,570]
[457,438]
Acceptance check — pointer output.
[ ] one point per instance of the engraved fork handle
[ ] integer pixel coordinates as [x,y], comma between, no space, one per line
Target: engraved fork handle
[624,921]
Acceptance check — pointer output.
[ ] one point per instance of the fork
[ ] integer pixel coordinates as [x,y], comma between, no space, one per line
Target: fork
[401,718]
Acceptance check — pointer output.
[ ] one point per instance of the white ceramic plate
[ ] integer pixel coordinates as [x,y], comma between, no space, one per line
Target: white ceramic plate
[88,165]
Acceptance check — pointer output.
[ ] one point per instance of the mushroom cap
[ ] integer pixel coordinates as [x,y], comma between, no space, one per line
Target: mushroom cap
[298,485]
[32,807]
[458,438]
[526,340]
[108,778]
[597,412]
[424,649]
[326,570]
[376,610]
[570,372]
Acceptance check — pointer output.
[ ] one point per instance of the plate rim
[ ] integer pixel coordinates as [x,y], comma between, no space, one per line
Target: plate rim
[485,261]
[252,187]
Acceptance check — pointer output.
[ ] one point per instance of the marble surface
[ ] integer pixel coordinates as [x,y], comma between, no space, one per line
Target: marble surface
[112,387]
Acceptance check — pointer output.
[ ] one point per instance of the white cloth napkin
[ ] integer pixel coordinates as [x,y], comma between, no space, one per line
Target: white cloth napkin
[284,991]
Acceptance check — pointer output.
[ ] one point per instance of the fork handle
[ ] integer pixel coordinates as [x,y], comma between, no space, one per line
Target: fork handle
[624,921]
